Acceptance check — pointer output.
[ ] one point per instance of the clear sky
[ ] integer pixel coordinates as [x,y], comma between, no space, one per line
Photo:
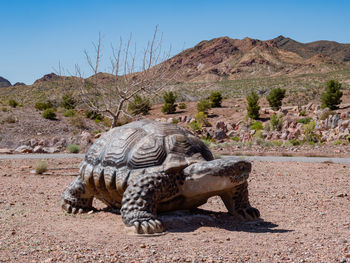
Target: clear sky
[36,35]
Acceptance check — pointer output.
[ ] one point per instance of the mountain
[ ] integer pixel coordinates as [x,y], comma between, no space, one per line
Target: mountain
[4,82]
[226,58]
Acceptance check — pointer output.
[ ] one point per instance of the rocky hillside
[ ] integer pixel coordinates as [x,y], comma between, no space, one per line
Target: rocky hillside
[4,82]
[227,59]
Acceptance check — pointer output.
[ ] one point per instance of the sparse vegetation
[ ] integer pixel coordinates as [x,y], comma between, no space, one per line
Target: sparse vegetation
[68,101]
[49,114]
[40,167]
[73,148]
[139,105]
[215,99]
[4,109]
[275,98]
[309,132]
[43,105]
[331,98]
[253,105]
[276,122]
[182,105]
[256,125]
[325,114]
[201,118]
[169,106]
[305,120]
[69,113]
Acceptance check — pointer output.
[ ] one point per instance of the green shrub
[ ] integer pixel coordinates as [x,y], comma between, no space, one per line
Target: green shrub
[182,106]
[258,135]
[169,106]
[302,113]
[93,115]
[253,105]
[175,121]
[49,114]
[73,148]
[293,142]
[77,122]
[195,126]
[139,105]
[276,122]
[201,118]
[40,167]
[69,113]
[203,106]
[325,114]
[4,109]
[68,101]
[275,98]
[256,125]
[13,103]
[277,143]
[309,132]
[304,120]
[43,105]
[331,98]
[10,119]
[215,99]
[338,142]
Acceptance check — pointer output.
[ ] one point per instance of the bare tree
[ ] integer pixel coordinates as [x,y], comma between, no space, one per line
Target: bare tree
[130,75]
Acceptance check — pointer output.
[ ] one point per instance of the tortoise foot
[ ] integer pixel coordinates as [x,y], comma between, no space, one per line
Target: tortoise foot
[248,213]
[151,226]
[82,206]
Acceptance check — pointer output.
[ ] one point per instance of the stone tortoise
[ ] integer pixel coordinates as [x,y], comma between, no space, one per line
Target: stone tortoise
[146,167]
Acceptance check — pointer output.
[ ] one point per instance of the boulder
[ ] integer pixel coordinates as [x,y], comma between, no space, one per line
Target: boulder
[50,149]
[220,125]
[170,120]
[229,127]
[220,134]
[33,142]
[5,151]
[24,149]
[38,149]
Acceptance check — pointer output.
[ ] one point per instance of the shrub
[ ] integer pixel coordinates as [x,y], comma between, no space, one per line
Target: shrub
[253,105]
[215,99]
[235,138]
[69,113]
[275,98]
[293,142]
[40,167]
[309,132]
[13,103]
[49,114]
[169,106]
[258,135]
[73,148]
[201,118]
[203,106]
[276,122]
[325,114]
[43,105]
[10,119]
[68,101]
[256,125]
[93,115]
[4,109]
[195,126]
[77,122]
[182,106]
[277,143]
[304,120]
[331,98]
[175,121]
[139,105]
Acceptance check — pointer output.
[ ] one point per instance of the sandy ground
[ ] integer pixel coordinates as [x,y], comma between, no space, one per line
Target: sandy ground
[305,212]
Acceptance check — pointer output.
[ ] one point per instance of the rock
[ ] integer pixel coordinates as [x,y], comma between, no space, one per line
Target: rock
[5,151]
[85,139]
[192,120]
[220,125]
[309,106]
[43,142]
[4,83]
[220,134]
[33,142]
[345,124]
[188,120]
[50,149]
[284,135]
[170,120]
[162,119]
[62,143]
[209,133]
[53,141]
[231,134]
[229,127]
[183,118]
[24,149]
[38,149]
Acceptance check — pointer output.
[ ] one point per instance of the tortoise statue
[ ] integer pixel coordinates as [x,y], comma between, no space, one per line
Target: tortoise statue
[146,167]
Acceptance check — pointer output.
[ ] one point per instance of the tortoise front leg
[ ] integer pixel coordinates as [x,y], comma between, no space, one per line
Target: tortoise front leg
[140,199]
[237,203]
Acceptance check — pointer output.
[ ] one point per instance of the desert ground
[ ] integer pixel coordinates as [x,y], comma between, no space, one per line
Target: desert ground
[305,217]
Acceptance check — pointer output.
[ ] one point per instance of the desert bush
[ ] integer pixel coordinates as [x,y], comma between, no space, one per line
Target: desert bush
[256,125]
[195,126]
[93,115]
[331,98]
[302,113]
[235,138]
[169,106]
[293,142]
[276,122]
[202,119]
[275,98]
[215,99]
[69,113]
[277,143]
[309,132]
[182,105]
[4,109]
[49,114]
[40,167]
[77,121]
[305,120]
[10,119]
[43,105]
[253,105]
[68,101]
[139,105]
[73,148]
[175,121]
[258,135]
[13,103]
[203,106]
[325,114]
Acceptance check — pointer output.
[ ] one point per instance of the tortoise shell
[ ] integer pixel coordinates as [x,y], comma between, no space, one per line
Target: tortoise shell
[143,144]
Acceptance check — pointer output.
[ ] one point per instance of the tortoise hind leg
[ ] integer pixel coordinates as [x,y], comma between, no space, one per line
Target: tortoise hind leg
[139,204]
[77,198]
[237,203]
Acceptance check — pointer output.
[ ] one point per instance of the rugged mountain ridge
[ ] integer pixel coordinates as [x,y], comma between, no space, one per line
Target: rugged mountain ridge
[226,58]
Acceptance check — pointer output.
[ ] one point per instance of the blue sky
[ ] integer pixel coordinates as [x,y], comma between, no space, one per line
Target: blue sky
[36,35]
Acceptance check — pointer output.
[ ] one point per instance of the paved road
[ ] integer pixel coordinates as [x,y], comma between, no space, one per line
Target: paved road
[250,158]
